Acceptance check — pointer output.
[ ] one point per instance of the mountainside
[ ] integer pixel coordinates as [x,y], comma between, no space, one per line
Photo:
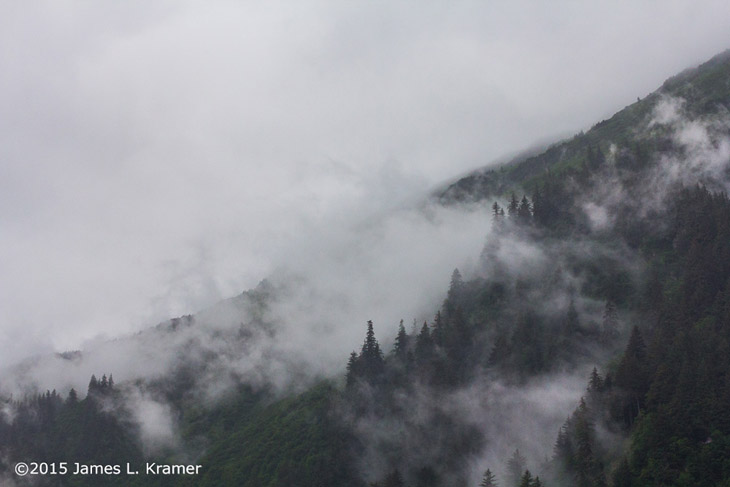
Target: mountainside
[704,90]
[601,295]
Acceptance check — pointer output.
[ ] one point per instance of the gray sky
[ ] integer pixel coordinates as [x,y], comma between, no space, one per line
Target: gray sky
[158,156]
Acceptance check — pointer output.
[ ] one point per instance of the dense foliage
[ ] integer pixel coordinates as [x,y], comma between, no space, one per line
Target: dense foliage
[630,271]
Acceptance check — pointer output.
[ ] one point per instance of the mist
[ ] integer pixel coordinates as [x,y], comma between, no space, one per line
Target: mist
[494,414]
[372,268]
[158,159]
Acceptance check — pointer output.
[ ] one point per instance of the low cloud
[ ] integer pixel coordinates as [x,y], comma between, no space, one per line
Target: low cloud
[384,268]
[155,420]
[699,154]
[159,159]
[503,417]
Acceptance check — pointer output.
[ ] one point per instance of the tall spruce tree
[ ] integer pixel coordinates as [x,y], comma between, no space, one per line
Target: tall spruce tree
[370,361]
[400,347]
[424,345]
[93,385]
[588,470]
[563,451]
[488,480]
[526,479]
[595,382]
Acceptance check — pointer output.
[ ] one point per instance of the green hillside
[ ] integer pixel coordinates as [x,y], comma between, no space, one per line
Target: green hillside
[609,251]
[705,89]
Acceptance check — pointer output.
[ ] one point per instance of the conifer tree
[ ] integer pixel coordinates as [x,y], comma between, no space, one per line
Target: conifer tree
[495,211]
[370,347]
[563,449]
[370,361]
[352,370]
[93,384]
[513,206]
[524,212]
[456,287]
[501,350]
[400,348]
[588,470]
[526,479]
[515,467]
[424,345]
[636,346]
[488,480]
[438,333]
[595,382]
[538,206]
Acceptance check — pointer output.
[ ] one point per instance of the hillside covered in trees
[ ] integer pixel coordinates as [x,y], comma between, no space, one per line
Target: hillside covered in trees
[607,265]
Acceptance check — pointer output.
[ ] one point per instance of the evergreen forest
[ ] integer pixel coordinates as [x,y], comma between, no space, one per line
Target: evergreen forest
[607,265]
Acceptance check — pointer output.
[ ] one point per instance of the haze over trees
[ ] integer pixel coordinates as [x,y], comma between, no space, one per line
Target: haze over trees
[609,254]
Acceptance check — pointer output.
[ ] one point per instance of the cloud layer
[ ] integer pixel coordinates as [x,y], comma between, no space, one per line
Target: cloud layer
[157,158]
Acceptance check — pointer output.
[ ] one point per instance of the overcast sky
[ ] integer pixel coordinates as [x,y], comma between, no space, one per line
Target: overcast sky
[158,156]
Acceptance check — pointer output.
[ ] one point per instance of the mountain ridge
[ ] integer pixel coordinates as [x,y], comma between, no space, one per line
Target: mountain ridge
[618,260]
[520,171]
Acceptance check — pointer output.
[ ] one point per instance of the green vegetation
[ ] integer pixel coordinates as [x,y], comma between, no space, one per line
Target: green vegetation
[291,441]
[640,287]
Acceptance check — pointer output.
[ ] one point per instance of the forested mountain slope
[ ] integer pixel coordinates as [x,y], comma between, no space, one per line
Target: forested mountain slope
[705,91]
[606,275]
